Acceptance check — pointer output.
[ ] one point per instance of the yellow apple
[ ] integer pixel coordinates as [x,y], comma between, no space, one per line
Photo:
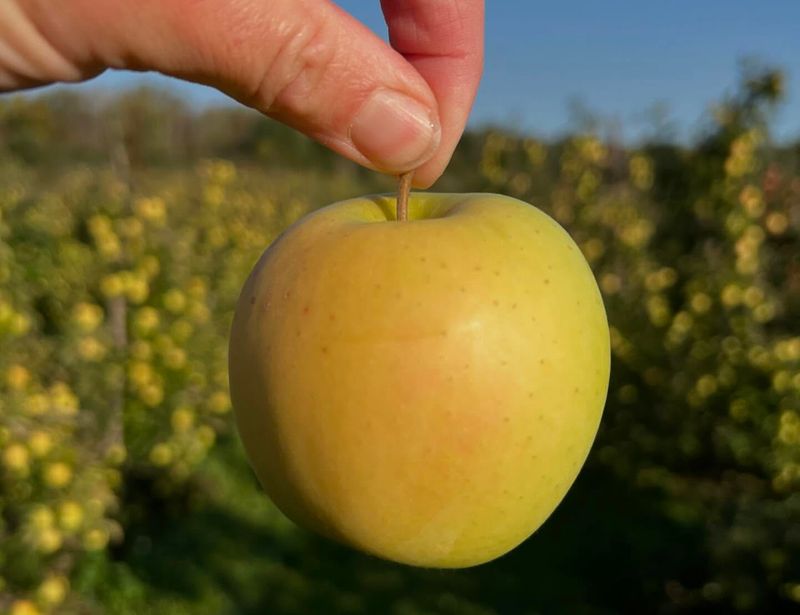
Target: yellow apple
[424,390]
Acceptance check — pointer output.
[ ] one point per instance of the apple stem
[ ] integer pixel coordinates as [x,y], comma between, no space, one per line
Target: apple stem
[403,189]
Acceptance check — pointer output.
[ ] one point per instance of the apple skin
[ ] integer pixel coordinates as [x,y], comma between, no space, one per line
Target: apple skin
[427,390]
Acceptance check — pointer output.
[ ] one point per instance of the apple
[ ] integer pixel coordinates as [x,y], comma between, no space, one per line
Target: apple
[423,390]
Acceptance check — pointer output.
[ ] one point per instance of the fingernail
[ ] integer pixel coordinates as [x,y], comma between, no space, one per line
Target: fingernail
[394,131]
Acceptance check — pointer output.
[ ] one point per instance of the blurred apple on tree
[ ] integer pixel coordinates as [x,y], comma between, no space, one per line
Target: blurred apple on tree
[425,390]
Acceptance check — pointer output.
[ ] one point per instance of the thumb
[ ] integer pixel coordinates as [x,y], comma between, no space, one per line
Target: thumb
[306,63]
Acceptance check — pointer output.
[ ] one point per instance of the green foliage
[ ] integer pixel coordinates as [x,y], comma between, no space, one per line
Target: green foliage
[126,231]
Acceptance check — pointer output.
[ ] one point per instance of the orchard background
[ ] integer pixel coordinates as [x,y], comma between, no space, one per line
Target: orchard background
[127,227]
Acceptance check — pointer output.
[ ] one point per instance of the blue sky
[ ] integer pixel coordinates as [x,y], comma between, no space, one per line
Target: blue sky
[617,57]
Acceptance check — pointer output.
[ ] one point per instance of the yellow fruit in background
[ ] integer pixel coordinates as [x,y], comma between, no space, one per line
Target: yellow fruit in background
[151,394]
[87,316]
[112,285]
[70,515]
[63,400]
[161,454]
[37,404]
[424,390]
[205,436]
[41,517]
[91,349]
[53,590]
[48,540]
[145,321]
[16,457]
[116,454]
[151,209]
[95,539]
[24,607]
[17,377]
[182,419]
[57,474]
[40,443]
[219,403]
[175,300]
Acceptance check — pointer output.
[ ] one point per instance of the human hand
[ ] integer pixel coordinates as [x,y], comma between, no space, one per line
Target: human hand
[306,63]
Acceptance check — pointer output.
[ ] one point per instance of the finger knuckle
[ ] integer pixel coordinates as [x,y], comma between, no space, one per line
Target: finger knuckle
[298,69]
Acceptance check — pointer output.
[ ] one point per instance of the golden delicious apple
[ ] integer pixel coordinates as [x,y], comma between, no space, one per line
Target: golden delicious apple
[424,390]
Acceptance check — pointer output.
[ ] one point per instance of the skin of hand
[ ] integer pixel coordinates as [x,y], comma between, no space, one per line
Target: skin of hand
[306,63]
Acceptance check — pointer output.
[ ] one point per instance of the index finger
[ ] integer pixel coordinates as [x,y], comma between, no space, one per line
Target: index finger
[443,40]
